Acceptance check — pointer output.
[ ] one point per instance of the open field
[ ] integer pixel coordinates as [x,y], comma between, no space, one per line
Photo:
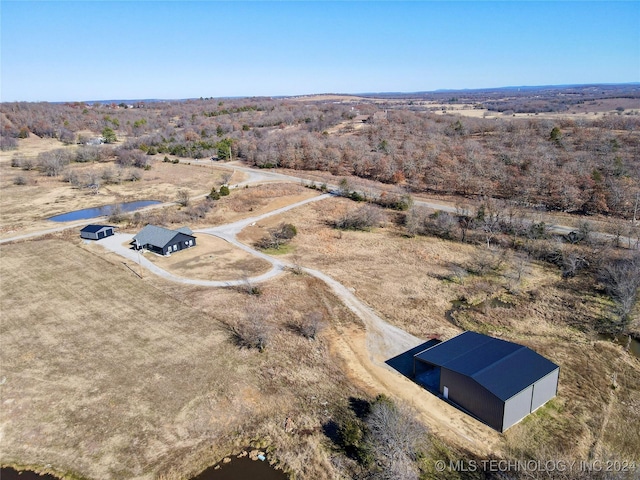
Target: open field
[24,208]
[108,376]
[410,284]
[105,374]
[583,111]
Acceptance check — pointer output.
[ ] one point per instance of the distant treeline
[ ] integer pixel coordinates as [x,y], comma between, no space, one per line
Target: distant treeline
[586,166]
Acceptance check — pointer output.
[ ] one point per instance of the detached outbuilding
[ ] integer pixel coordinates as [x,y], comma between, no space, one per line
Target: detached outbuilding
[163,240]
[96,232]
[498,382]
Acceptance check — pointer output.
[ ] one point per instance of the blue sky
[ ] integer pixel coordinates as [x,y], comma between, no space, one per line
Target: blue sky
[96,50]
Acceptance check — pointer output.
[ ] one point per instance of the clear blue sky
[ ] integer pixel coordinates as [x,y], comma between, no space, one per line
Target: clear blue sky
[97,50]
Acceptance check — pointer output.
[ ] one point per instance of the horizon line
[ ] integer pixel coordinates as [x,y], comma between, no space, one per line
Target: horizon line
[346,94]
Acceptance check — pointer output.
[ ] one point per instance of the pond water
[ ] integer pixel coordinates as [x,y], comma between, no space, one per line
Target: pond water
[241,469]
[237,469]
[634,346]
[102,211]
[7,473]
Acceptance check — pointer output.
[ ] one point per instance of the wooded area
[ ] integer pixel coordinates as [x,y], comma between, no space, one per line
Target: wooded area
[573,164]
[452,225]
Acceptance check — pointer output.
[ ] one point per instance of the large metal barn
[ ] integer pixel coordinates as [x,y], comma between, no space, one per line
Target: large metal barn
[498,382]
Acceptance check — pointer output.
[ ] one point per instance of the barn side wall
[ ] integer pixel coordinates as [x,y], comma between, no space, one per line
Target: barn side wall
[517,407]
[471,396]
[545,389]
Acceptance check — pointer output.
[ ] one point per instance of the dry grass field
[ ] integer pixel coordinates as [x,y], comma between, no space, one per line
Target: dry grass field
[586,111]
[108,376]
[104,375]
[24,208]
[413,283]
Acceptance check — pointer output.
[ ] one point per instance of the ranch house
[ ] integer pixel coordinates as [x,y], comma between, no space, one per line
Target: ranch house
[163,241]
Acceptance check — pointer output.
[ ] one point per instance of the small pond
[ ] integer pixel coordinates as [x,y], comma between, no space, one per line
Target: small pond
[102,211]
[7,473]
[242,468]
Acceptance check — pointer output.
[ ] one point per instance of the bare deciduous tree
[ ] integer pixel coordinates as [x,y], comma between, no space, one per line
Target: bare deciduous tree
[396,439]
[466,220]
[519,268]
[310,325]
[363,218]
[52,163]
[622,281]
[248,286]
[225,177]
[19,180]
[277,236]
[415,219]
[183,197]
[254,330]
[486,260]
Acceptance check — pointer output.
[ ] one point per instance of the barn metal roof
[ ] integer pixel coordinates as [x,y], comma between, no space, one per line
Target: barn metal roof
[503,368]
[158,236]
[94,228]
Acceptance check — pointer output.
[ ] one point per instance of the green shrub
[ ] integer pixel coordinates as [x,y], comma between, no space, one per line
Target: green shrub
[351,438]
[356,197]
[214,195]
[224,191]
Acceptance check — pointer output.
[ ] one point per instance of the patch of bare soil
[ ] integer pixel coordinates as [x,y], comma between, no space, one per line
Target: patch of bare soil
[444,420]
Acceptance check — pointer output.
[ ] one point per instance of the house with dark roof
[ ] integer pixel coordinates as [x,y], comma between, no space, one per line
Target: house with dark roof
[162,240]
[96,232]
[496,381]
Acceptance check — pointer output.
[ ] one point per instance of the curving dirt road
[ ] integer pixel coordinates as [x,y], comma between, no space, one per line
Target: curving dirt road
[263,176]
[364,356]
[119,242]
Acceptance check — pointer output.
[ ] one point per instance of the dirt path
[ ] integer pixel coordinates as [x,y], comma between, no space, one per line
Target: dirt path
[364,354]
[365,357]
[269,176]
[253,176]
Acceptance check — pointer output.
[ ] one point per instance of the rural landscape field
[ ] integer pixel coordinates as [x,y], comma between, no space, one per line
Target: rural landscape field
[333,234]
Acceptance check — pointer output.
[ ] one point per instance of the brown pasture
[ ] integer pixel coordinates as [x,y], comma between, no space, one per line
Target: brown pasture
[24,208]
[411,282]
[105,375]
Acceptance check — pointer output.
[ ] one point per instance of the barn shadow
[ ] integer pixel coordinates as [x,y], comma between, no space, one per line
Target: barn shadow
[427,378]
